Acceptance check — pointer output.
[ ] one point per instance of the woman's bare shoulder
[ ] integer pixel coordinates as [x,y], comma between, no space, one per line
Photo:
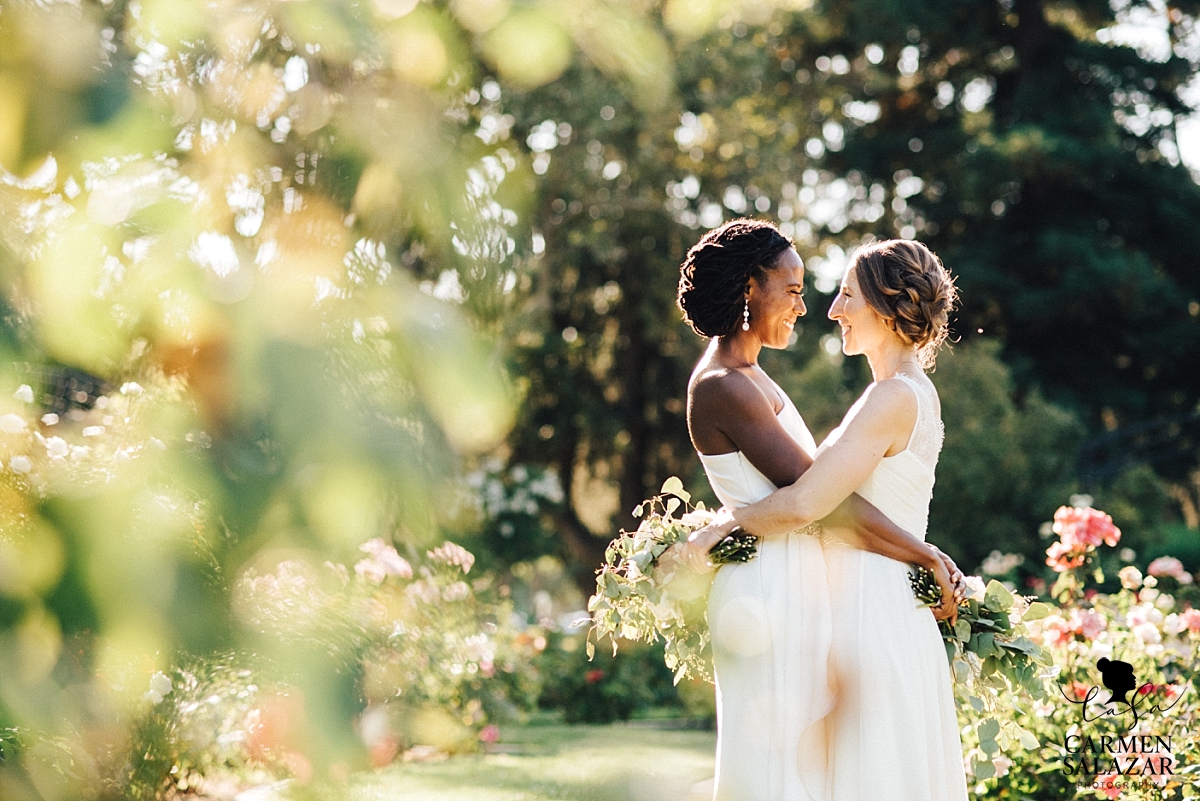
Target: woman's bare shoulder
[886,405]
[725,388]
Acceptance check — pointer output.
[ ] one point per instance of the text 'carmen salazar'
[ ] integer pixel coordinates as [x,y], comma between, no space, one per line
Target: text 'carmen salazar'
[1135,755]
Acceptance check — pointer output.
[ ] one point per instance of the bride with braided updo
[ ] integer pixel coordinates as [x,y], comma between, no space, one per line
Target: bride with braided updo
[785,695]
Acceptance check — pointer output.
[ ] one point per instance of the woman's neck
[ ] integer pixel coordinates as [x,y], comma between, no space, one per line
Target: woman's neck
[887,360]
[739,349]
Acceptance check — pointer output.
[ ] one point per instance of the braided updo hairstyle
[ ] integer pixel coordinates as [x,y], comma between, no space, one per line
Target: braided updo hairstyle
[907,284]
[714,276]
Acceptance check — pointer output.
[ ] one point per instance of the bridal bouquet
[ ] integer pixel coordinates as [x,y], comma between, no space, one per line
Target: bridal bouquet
[990,642]
[994,661]
[644,594]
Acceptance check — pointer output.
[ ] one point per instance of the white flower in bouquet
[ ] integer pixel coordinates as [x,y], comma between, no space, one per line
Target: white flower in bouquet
[698,517]
[976,589]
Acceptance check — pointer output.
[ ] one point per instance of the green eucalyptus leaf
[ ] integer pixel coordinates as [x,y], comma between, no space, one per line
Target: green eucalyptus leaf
[1036,611]
[983,768]
[997,597]
[989,728]
[1029,741]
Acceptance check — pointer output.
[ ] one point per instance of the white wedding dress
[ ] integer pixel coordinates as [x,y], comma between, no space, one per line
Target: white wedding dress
[832,683]
[893,731]
[771,627]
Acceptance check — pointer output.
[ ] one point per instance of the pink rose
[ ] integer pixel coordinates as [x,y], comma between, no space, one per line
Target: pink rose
[1087,623]
[1085,527]
[383,561]
[1166,566]
[1055,631]
[1191,618]
[450,553]
[1063,557]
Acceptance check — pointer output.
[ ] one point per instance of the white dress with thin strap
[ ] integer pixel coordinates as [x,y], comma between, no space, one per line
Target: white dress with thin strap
[893,732]
[771,632]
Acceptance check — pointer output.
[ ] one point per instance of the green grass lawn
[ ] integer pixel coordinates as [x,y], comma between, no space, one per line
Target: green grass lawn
[622,762]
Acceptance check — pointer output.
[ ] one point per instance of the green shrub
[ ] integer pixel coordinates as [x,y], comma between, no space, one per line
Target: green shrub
[606,688]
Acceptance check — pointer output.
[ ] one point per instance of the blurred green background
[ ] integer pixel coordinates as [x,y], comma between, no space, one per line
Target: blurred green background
[283,279]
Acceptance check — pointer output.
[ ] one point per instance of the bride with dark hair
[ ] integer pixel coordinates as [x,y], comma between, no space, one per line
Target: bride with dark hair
[772,620]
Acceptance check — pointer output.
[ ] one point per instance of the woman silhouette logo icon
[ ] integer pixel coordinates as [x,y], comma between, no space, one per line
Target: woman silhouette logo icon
[1118,678]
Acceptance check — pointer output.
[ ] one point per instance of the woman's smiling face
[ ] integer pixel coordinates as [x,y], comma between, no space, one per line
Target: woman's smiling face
[778,300]
[863,328]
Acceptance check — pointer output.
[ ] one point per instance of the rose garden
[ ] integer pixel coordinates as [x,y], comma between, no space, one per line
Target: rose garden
[338,341]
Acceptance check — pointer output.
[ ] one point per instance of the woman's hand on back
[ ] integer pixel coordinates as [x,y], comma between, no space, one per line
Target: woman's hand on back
[948,608]
[956,575]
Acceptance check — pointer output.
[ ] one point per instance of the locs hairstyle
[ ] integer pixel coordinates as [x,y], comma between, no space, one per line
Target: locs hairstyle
[714,276]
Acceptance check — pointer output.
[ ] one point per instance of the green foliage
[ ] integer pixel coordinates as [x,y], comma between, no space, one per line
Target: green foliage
[1006,464]
[605,687]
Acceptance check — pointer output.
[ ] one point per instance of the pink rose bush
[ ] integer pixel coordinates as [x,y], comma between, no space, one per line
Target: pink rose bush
[1080,531]
[1055,748]
[437,658]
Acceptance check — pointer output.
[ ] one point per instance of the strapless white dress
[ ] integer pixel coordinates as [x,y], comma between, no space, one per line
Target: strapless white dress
[771,625]
[893,731]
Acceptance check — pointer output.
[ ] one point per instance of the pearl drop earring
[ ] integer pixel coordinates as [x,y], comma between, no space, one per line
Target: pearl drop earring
[746,316]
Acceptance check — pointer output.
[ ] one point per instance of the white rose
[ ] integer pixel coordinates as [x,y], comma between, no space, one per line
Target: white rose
[1148,633]
[12,423]
[24,393]
[976,589]
[1173,624]
[20,464]
[1131,577]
